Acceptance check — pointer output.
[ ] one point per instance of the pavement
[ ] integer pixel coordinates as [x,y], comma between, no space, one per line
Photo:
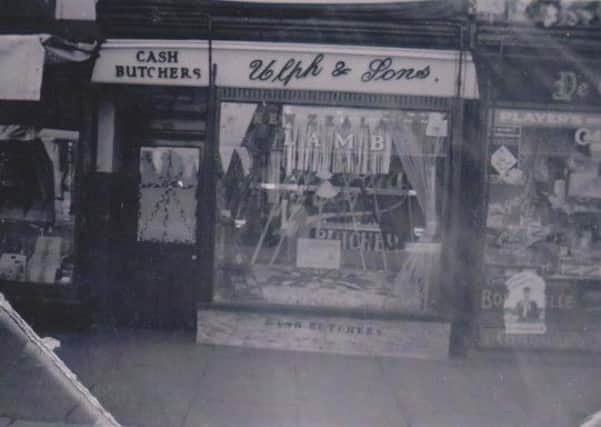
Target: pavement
[150,378]
[36,387]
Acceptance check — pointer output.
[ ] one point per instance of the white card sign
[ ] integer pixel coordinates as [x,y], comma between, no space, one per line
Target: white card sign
[503,160]
[317,253]
[437,125]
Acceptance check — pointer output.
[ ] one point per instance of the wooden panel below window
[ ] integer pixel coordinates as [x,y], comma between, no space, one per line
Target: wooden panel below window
[323,332]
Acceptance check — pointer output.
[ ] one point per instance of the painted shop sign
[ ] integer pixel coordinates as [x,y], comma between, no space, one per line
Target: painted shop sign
[288,66]
[553,119]
[571,86]
[346,69]
[546,80]
[181,63]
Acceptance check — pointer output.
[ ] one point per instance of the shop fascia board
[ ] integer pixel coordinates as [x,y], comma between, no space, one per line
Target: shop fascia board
[223,51]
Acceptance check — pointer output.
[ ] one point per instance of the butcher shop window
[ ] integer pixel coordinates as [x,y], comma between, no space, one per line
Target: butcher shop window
[345,198]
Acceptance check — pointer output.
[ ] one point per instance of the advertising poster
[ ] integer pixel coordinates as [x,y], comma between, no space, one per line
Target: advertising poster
[524,308]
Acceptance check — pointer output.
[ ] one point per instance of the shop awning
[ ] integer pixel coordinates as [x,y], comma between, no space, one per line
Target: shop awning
[405,9]
[22,59]
[27,133]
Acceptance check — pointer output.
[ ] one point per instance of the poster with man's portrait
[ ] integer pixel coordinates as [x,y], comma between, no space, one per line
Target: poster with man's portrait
[524,307]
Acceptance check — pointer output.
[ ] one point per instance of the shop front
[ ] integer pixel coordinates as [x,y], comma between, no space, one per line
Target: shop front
[540,286]
[295,188]
[40,161]
[301,196]
[147,239]
[333,196]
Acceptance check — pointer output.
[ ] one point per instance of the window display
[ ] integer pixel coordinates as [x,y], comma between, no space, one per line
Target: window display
[36,210]
[545,193]
[167,194]
[330,206]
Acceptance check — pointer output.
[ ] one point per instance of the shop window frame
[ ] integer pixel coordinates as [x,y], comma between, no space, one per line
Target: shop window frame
[352,100]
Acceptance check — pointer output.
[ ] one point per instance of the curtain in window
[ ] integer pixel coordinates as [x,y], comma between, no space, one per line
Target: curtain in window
[418,157]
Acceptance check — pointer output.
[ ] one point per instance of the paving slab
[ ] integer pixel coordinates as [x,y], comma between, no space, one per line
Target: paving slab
[225,413]
[162,380]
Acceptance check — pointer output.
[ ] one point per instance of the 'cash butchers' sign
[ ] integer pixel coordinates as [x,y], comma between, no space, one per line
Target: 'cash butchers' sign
[181,63]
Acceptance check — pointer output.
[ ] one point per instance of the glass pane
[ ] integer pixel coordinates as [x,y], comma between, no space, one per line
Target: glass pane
[330,206]
[167,194]
[36,210]
[544,221]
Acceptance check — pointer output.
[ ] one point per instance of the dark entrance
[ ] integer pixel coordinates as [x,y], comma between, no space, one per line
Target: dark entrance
[161,223]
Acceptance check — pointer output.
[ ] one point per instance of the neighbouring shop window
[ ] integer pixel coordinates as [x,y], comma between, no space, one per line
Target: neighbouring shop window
[36,210]
[544,213]
[168,194]
[330,206]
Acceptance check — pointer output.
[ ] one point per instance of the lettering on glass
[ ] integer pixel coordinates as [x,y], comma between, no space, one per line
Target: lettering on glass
[167,194]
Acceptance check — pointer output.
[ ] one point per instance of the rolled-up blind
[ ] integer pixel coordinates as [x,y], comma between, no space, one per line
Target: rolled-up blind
[22,65]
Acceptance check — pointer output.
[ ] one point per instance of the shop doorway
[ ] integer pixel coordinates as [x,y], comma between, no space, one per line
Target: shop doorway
[163,266]
[161,223]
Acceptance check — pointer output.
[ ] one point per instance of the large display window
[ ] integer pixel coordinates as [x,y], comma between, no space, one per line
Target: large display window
[543,243]
[545,194]
[330,206]
[36,209]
